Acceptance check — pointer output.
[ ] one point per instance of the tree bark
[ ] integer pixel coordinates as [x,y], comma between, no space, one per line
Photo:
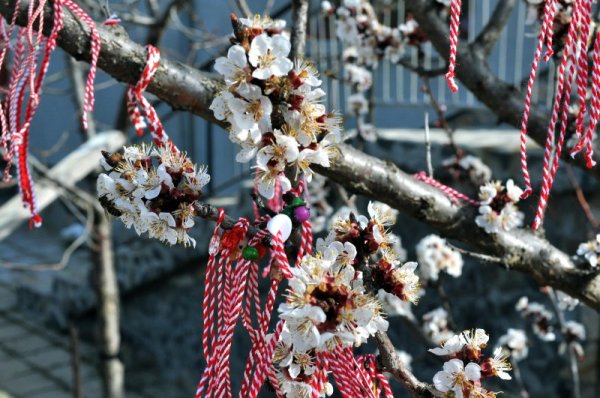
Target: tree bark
[108,310]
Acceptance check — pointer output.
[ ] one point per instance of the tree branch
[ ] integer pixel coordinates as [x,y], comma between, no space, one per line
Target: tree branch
[519,249]
[299,22]
[392,364]
[505,100]
[491,32]
[185,88]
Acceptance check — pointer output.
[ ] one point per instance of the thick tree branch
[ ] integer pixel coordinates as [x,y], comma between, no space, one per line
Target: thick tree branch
[491,32]
[185,88]
[520,249]
[181,86]
[505,100]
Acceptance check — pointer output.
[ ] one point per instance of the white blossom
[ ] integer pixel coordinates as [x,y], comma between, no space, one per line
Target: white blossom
[590,251]
[269,56]
[233,67]
[161,226]
[434,255]
[455,376]
[515,340]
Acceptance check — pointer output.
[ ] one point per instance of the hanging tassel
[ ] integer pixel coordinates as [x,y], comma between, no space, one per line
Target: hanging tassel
[562,97]
[136,100]
[544,38]
[455,9]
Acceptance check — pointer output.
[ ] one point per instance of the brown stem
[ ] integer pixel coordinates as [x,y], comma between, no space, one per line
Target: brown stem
[585,206]
[391,363]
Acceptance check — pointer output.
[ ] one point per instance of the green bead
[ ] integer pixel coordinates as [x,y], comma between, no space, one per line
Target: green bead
[250,253]
[288,211]
[297,202]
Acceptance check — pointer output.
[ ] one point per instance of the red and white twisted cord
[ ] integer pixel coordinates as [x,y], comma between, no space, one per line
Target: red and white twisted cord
[450,192]
[138,107]
[545,33]
[562,97]
[455,9]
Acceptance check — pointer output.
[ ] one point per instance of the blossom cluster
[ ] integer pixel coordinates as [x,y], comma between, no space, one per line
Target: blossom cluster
[366,41]
[590,251]
[497,208]
[459,380]
[515,341]
[434,256]
[435,325]
[539,316]
[573,335]
[327,303]
[273,106]
[468,168]
[154,190]
[297,369]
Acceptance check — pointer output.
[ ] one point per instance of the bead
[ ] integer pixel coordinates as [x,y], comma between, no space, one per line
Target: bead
[297,202]
[280,222]
[250,253]
[301,213]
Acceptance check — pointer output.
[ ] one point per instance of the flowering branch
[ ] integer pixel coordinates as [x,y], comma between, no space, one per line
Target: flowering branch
[185,88]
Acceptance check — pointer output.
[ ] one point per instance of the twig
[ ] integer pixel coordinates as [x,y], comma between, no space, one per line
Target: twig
[573,364]
[268,7]
[391,363]
[585,206]
[491,32]
[75,362]
[78,90]
[479,256]
[210,212]
[439,285]
[428,146]
[441,116]
[519,379]
[66,256]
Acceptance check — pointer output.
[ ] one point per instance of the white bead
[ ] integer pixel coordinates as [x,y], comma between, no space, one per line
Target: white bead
[282,223]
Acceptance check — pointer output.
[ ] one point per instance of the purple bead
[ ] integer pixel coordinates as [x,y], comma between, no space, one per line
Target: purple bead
[301,213]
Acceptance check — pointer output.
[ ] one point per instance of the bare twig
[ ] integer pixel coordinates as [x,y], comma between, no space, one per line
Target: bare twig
[391,363]
[66,256]
[439,285]
[78,90]
[491,32]
[572,354]
[244,8]
[519,379]
[428,146]
[299,21]
[585,206]
[479,256]
[75,362]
